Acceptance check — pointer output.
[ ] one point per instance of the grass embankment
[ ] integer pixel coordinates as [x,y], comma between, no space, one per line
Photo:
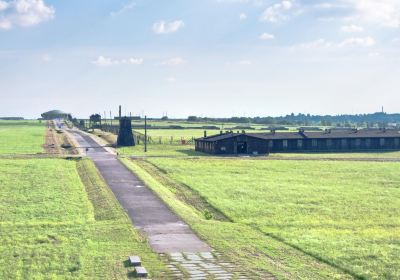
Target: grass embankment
[343,214]
[21,137]
[53,226]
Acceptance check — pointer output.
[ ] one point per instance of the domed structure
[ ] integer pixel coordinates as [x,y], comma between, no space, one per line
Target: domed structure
[55,114]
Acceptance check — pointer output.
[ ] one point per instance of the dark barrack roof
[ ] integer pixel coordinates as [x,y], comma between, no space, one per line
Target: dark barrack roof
[309,135]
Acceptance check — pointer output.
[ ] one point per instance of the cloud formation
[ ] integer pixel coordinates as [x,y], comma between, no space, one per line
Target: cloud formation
[24,13]
[382,12]
[245,62]
[351,28]
[163,27]
[106,61]
[125,8]
[358,42]
[363,42]
[277,12]
[175,61]
[266,36]
[242,16]
[171,79]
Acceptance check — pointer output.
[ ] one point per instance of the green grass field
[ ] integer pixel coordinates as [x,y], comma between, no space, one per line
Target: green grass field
[163,150]
[21,137]
[343,214]
[176,134]
[52,226]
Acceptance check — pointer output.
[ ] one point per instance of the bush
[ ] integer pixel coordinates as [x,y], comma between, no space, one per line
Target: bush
[208,215]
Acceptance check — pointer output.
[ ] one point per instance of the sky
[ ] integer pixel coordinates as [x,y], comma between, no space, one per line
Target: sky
[216,58]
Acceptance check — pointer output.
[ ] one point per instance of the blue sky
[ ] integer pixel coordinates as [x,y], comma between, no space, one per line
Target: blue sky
[216,58]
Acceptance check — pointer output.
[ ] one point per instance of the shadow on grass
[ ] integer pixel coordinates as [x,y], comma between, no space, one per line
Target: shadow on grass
[191,152]
[131,274]
[315,256]
[127,264]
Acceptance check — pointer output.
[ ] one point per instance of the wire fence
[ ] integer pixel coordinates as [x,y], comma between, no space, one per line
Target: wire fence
[161,140]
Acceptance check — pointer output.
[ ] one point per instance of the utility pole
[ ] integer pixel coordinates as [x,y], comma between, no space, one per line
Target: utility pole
[111,121]
[145,134]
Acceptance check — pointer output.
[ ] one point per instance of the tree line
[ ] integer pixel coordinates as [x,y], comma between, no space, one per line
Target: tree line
[367,120]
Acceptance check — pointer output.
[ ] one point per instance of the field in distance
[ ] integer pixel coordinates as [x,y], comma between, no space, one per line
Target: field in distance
[21,137]
[342,213]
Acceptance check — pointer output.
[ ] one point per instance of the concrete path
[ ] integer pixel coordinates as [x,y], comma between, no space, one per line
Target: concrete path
[166,232]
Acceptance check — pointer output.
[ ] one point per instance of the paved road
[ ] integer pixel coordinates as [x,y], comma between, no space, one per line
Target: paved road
[166,232]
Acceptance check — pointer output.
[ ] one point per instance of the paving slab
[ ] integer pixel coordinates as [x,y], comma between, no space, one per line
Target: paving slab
[166,232]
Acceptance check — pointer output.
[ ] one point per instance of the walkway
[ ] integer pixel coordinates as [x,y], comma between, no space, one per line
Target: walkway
[166,232]
[188,256]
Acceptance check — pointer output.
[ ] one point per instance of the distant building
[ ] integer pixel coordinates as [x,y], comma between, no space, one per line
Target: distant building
[55,114]
[132,118]
[324,141]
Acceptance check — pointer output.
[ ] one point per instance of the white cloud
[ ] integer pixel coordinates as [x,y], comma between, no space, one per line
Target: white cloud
[277,12]
[324,6]
[174,61]
[3,5]
[266,36]
[24,13]
[125,8]
[233,1]
[327,6]
[245,62]
[351,28]
[242,16]
[338,18]
[382,12]
[373,54]
[47,58]
[254,2]
[106,61]
[5,24]
[317,44]
[171,79]
[163,27]
[358,42]
[348,43]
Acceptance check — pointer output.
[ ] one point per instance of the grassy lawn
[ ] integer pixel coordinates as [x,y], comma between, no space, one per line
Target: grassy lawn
[162,150]
[58,220]
[21,137]
[176,134]
[342,214]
